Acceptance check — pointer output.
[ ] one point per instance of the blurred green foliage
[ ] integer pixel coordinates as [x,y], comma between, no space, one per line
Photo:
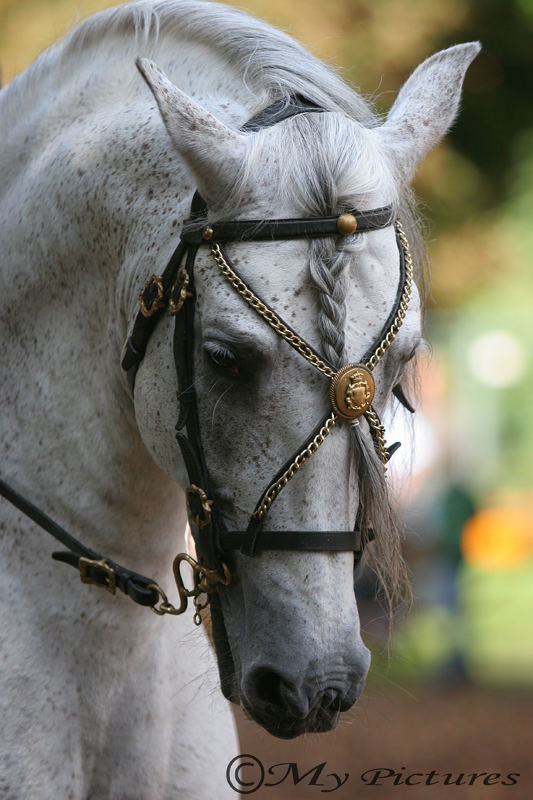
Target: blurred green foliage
[488,633]
[497,642]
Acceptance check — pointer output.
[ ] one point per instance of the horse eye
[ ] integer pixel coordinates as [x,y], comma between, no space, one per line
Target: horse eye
[223,360]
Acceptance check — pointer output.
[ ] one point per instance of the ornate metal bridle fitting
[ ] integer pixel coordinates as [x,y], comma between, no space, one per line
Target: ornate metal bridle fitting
[351,391]
[205,581]
[152,297]
[179,292]
[198,505]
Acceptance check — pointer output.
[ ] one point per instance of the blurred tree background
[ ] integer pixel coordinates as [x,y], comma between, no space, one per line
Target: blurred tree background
[474,184]
[476,196]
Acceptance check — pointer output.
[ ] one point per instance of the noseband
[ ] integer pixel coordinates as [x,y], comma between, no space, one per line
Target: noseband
[351,392]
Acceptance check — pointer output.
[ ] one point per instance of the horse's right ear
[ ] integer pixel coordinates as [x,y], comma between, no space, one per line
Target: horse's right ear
[425,108]
[212,151]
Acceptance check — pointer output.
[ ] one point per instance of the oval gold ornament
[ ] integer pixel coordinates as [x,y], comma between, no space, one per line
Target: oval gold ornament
[352,391]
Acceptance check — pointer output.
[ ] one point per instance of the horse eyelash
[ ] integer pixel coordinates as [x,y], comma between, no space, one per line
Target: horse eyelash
[223,360]
[218,351]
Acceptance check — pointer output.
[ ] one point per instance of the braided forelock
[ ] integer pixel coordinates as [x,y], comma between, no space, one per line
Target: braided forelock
[328,268]
[329,263]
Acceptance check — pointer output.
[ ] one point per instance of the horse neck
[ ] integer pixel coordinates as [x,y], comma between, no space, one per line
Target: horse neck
[79,221]
[91,206]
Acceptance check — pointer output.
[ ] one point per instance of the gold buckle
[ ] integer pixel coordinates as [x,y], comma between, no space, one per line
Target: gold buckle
[156,284]
[175,305]
[109,578]
[203,517]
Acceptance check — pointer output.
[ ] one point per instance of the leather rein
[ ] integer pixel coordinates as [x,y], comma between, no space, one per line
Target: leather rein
[351,392]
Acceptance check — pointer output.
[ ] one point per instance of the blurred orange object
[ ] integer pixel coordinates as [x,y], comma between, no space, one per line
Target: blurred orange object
[498,538]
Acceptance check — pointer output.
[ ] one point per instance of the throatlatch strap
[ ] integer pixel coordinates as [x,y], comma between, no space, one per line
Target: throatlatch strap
[94,568]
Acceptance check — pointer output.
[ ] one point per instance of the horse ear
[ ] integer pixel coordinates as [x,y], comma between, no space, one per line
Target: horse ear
[426,107]
[212,151]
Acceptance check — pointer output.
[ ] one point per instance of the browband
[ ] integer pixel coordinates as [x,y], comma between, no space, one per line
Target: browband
[156,294]
[248,230]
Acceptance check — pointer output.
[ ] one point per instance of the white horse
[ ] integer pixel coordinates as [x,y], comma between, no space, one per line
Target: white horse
[100,698]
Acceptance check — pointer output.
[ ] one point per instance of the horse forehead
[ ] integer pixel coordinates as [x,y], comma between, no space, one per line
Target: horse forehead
[372,284]
[277,271]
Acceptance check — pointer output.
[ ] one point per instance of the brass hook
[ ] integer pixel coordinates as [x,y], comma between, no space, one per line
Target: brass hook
[205,580]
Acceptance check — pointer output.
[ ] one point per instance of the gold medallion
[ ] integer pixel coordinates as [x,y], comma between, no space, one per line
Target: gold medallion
[352,391]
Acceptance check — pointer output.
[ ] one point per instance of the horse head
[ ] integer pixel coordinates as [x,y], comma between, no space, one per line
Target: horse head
[286,626]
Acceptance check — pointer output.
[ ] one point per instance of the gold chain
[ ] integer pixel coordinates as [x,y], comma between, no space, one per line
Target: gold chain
[293,339]
[404,302]
[273,320]
[381,448]
[275,488]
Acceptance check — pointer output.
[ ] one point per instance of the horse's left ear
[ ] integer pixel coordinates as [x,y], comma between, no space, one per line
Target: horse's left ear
[425,108]
[212,151]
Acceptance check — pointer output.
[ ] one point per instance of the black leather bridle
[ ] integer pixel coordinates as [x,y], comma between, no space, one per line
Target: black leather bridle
[351,394]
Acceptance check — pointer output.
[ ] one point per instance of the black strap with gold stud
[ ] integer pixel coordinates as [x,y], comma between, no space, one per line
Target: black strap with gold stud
[248,230]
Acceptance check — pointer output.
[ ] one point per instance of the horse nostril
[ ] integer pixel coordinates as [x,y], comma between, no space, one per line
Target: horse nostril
[288,705]
[329,700]
[271,690]
[267,685]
